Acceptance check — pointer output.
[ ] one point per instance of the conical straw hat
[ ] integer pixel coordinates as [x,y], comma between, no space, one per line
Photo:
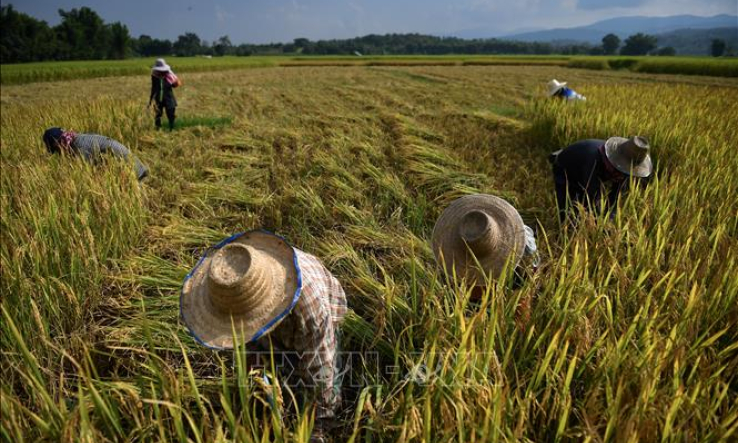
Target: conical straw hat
[554,86]
[478,226]
[250,282]
[630,155]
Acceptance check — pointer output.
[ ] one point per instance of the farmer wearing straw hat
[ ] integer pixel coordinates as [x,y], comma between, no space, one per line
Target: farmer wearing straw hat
[477,235]
[556,89]
[583,170]
[89,146]
[273,296]
[163,80]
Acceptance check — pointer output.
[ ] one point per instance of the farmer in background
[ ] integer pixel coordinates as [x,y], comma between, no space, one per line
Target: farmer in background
[276,296]
[163,82]
[477,235]
[559,90]
[584,170]
[90,146]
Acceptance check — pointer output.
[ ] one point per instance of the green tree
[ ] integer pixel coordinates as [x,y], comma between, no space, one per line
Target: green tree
[187,45]
[223,46]
[301,42]
[83,35]
[665,51]
[147,46]
[717,47]
[610,44]
[639,44]
[23,38]
[120,41]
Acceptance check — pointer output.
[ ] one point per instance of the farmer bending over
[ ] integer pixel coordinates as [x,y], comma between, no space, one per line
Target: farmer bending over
[163,80]
[585,169]
[89,146]
[476,236]
[272,294]
[559,90]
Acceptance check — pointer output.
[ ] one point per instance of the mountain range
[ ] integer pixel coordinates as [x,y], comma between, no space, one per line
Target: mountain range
[626,26]
[688,34]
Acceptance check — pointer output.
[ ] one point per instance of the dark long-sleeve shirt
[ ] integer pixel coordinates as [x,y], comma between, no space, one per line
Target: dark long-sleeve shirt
[581,175]
[91,146]
[162,92]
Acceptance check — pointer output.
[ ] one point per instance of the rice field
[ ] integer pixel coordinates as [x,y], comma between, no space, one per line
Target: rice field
[75,70]
[628,331]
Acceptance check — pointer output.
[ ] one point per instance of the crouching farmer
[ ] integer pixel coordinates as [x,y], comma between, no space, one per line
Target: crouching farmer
[90,146]
[276,297]
[588,169]
[476,236]
[559,90]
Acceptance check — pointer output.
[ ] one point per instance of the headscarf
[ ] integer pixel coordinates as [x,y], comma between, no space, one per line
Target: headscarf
[57,139]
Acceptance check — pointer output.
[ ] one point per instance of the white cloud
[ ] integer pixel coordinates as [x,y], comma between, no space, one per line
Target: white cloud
[221,15]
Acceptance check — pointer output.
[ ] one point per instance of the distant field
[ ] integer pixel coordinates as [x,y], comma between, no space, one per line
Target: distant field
[55,71]
[628,332]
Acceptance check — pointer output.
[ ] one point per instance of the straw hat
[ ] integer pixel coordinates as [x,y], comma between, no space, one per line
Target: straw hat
[478,226]
[252,278]
[629,155]
[161,66]
[554,86]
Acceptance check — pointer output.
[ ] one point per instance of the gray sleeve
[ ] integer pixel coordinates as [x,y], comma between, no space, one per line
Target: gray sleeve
[531,249]
[141,169]
[123,152]
[91,145]
[116,148]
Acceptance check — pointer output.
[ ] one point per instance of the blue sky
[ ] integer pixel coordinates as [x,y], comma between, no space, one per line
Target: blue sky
[260,21]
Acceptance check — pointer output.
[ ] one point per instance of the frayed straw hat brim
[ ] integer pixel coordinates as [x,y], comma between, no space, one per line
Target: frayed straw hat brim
[451,250]
[211,326]
[622,164]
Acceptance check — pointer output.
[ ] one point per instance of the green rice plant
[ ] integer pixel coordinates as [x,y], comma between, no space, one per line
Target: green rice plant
[597,64]
[624,62]
[210,122]
[76,70]
[720,68]
[660,65]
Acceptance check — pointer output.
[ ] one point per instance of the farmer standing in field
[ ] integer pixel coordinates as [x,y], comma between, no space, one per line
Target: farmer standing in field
[163,82]
[559,90]
[476,236]
[90,146]
[273,295]
[584,170]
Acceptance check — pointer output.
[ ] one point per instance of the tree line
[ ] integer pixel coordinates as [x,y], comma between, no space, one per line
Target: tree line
[83,35]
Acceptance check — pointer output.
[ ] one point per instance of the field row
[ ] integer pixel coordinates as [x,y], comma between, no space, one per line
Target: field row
[57,71]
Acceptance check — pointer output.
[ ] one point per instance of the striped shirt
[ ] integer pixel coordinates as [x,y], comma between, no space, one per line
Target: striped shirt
[311,332]
[91,146]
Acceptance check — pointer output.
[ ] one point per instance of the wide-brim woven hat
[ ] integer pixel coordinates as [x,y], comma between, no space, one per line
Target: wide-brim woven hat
[248,282]
[554,86]
[161,66]
[476,236]
[629,155]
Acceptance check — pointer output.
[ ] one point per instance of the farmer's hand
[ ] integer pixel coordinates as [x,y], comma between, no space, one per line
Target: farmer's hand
[318,436]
